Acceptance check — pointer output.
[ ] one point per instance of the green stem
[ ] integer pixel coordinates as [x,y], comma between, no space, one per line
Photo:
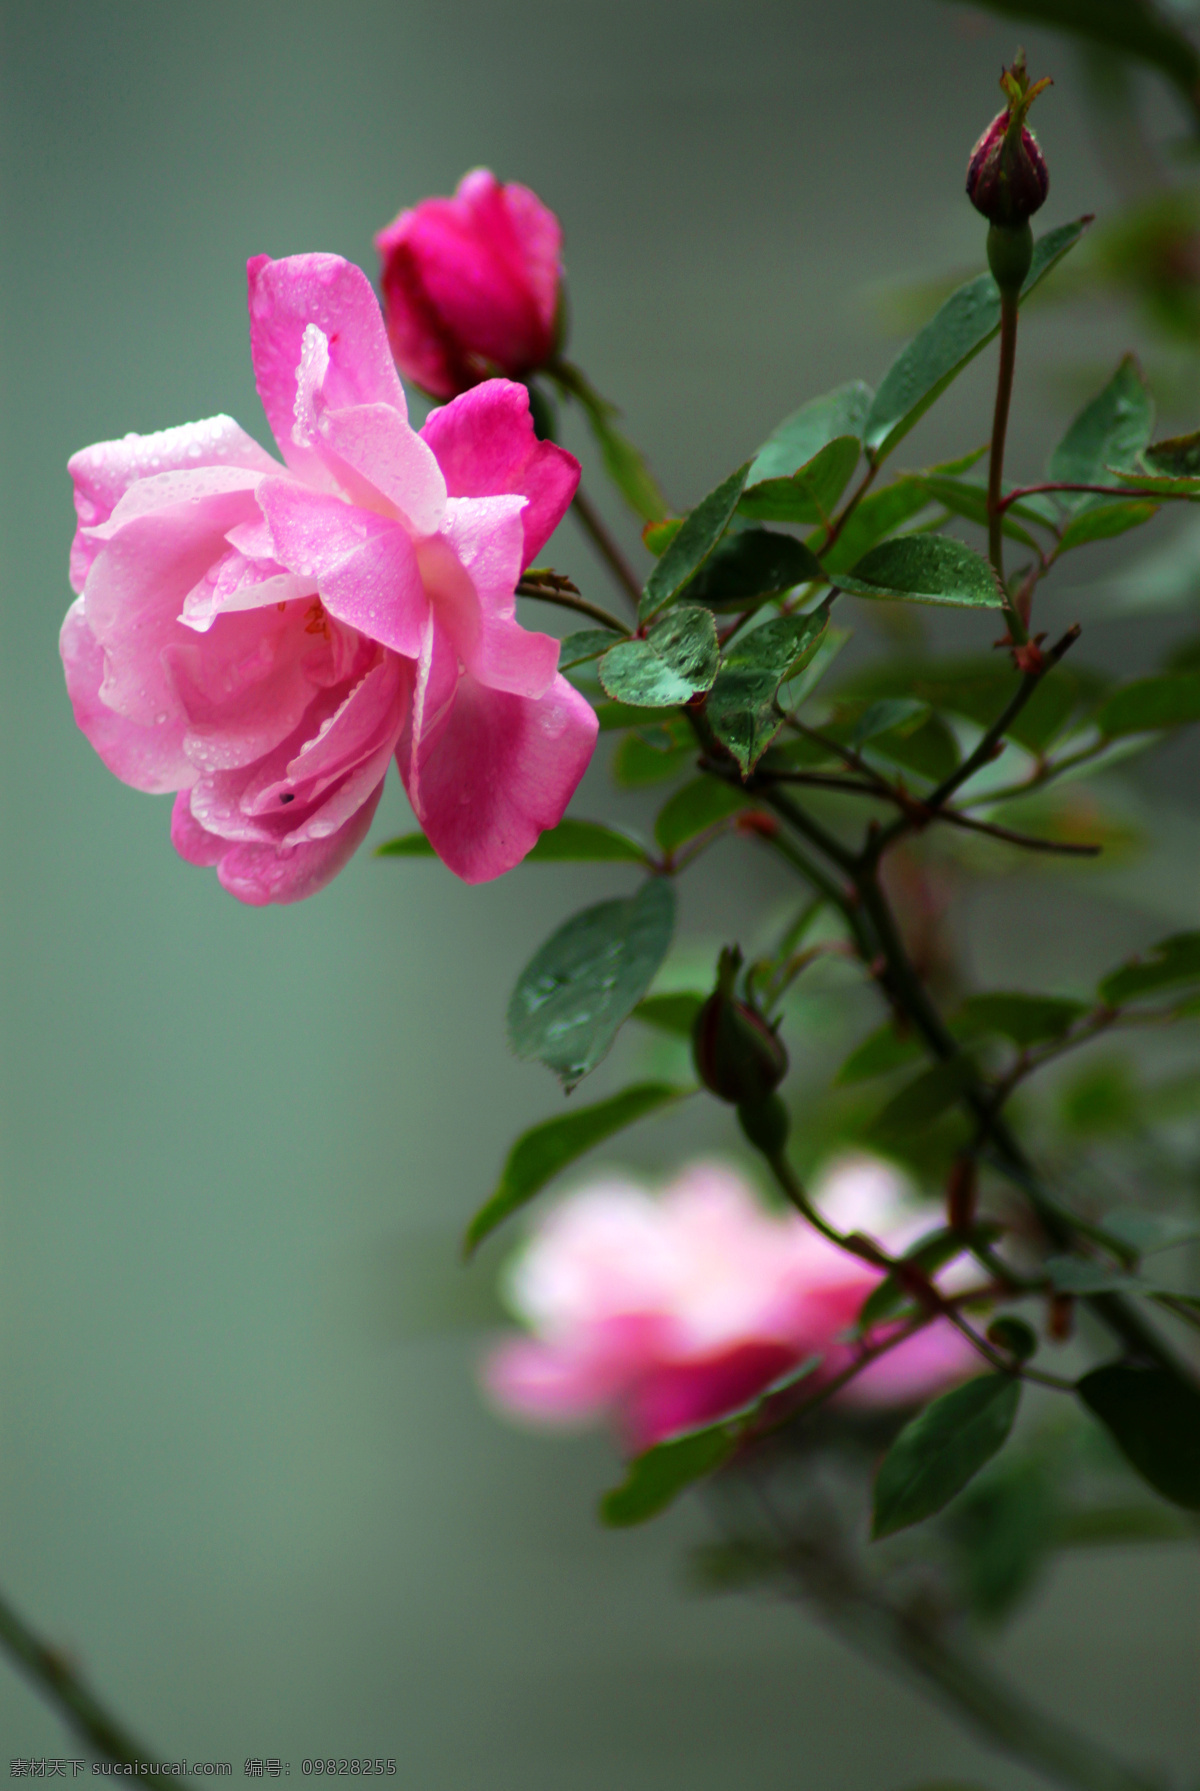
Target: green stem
[571,600]
[78,1707]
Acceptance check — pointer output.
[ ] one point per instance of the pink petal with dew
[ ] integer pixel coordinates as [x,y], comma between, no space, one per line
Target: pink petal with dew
[381,448]
[499,770]
[135,594]
[235,583]
[364,564]
[284,298]
[149,758]
[261,873]
[486,445]
[471,573]
[244,686]
[103,473]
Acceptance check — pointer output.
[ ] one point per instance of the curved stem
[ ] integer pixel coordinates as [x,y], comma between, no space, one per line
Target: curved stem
[571,600]
[598,533]
[78,1707]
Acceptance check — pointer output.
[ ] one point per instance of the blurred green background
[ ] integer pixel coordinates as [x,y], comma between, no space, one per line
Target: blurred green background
[267,1513]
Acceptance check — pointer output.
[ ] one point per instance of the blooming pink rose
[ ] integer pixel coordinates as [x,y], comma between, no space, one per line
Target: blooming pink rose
[664,1313]
[263,638]
[470,284]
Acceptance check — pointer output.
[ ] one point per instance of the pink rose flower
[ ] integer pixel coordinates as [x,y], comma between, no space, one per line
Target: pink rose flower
[264,638]
[663,1313]
[471,284]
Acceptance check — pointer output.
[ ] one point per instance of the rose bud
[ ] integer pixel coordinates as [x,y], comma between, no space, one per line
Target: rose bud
[471,285]
[1007,178]
[737,1055]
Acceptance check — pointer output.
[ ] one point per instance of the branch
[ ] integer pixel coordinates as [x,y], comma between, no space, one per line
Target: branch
[563,593]
[597,531]
[78,1707]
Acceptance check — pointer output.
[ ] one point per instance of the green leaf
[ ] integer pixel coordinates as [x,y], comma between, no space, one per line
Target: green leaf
[588,644]
[942,1449]
[623,462]
[1109,432]
[1025,1019]
[882,716]
[658,536]
[674,1013]
[700,533]
[929,748]
[1005,1527]
[930,1253]
[584,842]
[810,493]
[879,1053]
[925,569]
[646,757]
[924,1099]
[542,1152]
[799,437]
[1149,1232]
[801,684]
[678,657]
[409,845]
[1154,1418]
[1129,29]
[741,706]
[1171,962]
[962,498]
[655,1480]
[876,516]
[966,323]
[750,566]
[577,990]
[1177,457]
[1169,701]
[700,804]
[1083,1275]
[1107,519]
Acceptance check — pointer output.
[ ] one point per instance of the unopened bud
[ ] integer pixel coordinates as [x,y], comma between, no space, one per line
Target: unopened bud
[737,1055]
[1014,1336]
[1007,178]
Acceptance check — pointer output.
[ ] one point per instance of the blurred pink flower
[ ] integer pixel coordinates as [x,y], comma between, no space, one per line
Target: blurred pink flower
[471,284]
[264,638]
[665,1312]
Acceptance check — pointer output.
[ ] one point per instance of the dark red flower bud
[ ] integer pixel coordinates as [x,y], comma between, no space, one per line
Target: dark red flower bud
[1007,178]
[737,1055]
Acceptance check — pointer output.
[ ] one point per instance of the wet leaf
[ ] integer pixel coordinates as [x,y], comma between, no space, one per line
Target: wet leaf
[1109,432]
[678,658]
[687,552]
[700,804]
[925,569]
[741,706]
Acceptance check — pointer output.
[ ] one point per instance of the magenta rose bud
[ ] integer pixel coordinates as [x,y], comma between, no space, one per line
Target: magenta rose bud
[471,285]
[1007,178]
[737,1055]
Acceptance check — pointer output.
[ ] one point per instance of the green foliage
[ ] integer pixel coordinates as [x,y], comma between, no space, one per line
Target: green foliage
[1109,433]
[963,498]
[1145,1233]
[742,710]
[798,438]
[942,1449]
[689,549]
[577,990]
[881,1051]
[655,1479]
[581,648]
[966,323]
[652,755]
[674,1013]
[545,1150]
[1154,1418]
[1083,1275]
[1004,1526]
[1103,522]
[929,1254]
[1171,700]
[678,657]
[924,1099]
[924,745]
[585,842]
[1170,963]
[700,804]
[811,492]
[750,566]
[925,569]
[1025,1019]
[874,518]
[409,845]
